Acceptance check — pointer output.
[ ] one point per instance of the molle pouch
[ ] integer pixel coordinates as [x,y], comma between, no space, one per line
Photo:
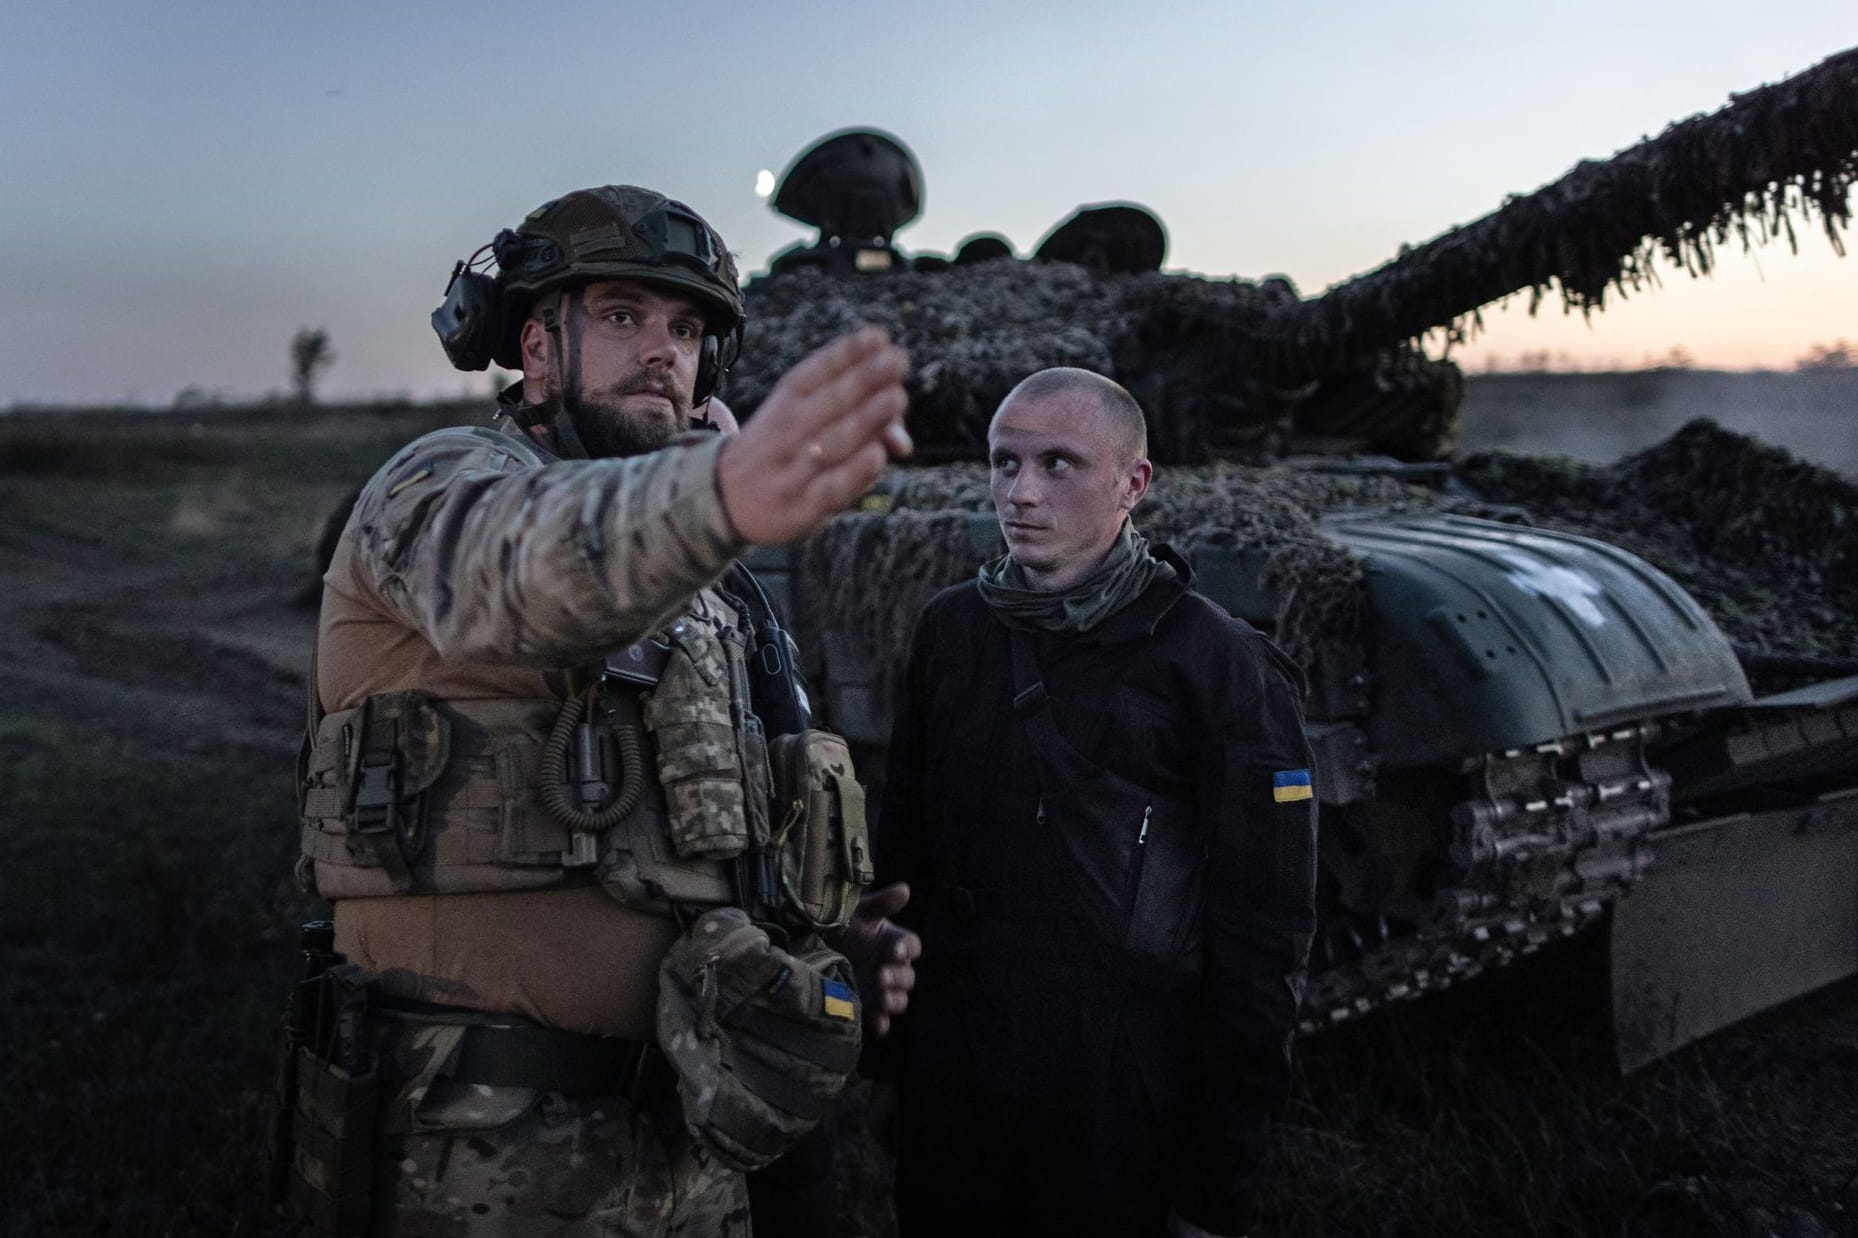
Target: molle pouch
[367,774]
[762,1038]
[328,1182]
[820,841]
[690,715]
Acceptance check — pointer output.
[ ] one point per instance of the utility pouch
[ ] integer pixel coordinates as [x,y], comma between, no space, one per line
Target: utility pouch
[821,844]
[327,1186]
[302,1017]
[699,761]
[762,1038]
[393,749]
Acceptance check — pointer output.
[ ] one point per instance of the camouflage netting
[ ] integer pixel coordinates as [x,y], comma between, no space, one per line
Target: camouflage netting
[1174,340]
[869,575]
[1773,157]
[1767,544]
[974,331]
[1232,369]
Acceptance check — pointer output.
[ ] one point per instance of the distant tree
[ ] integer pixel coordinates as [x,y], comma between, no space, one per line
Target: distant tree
[1834,356]
[309,353]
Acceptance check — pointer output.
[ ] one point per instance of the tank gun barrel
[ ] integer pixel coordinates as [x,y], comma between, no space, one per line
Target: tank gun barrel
[1773,155]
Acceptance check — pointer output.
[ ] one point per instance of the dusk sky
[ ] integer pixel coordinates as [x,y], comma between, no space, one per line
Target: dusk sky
[184,185]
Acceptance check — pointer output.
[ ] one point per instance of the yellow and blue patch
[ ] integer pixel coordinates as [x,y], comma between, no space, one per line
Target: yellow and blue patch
[839,1001]
[1290,785]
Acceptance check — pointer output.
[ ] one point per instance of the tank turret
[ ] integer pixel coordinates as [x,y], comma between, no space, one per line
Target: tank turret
[1543,697]
[1248,370]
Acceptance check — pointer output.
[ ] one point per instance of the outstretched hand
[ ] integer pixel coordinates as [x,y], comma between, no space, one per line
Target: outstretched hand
[820,439]
[883,955]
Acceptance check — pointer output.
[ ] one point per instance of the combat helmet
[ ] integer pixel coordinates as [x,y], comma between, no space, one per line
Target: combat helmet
[609,232]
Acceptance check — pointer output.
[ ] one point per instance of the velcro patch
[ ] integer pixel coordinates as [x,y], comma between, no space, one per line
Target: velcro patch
[1290,785]
[839,1002]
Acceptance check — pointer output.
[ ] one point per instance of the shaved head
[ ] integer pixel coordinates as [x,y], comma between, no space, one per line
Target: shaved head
[1068,457]
[1122,415]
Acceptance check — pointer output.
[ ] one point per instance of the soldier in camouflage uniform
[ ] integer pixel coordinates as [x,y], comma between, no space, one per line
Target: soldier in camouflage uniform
[486,582]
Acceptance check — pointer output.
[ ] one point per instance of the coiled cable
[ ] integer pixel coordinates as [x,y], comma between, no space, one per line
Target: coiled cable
[629,745]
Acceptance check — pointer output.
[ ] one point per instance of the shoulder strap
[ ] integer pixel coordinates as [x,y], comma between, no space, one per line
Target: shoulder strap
[1055,755]
[1033,705]
[775,685]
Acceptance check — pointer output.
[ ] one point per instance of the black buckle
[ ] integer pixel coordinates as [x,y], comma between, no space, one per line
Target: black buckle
[374,806]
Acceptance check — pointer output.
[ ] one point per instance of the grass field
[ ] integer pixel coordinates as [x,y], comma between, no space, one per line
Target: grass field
[151,648]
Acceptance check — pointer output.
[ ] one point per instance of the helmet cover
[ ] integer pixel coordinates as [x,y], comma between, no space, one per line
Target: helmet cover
[619,232]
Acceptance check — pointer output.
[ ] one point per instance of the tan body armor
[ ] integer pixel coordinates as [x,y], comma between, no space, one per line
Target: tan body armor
[409,794]
[458,641]
[470,598]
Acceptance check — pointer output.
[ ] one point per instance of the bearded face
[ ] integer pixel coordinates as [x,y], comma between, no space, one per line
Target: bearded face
[631,418]
[628,368]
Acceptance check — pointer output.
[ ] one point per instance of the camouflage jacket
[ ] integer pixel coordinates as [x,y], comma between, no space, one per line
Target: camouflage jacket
[484,557]
[477,569]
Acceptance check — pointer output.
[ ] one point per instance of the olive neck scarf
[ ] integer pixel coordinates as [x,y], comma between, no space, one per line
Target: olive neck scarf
[1126,572]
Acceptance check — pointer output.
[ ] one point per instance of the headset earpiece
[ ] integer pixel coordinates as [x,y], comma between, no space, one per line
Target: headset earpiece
[718,354]
[708,369]
[470,321]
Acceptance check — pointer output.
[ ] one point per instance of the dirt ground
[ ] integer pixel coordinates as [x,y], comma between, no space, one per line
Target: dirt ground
[153,641]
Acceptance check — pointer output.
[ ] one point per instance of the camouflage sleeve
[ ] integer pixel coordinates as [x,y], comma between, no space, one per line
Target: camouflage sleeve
[494,556]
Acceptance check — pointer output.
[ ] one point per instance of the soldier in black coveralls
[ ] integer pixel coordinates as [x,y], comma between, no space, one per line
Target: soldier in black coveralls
[1100,795]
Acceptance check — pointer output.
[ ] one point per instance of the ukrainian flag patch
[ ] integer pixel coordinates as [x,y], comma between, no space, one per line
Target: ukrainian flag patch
[840,1004]
[1289,785]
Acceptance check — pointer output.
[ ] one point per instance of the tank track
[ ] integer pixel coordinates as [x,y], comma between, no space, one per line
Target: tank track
[1552,834]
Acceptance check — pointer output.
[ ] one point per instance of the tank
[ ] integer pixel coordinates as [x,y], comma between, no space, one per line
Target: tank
[1544,697]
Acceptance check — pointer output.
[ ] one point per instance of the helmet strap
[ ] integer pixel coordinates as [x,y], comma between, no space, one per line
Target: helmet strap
[567,367]
[551,315]
[568,443]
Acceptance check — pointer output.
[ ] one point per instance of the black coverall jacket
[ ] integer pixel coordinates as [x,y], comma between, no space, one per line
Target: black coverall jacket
[1049,1085]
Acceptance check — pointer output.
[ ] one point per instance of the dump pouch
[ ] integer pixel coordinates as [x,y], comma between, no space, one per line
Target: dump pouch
[700,764]
[821,844]
[762,1038]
